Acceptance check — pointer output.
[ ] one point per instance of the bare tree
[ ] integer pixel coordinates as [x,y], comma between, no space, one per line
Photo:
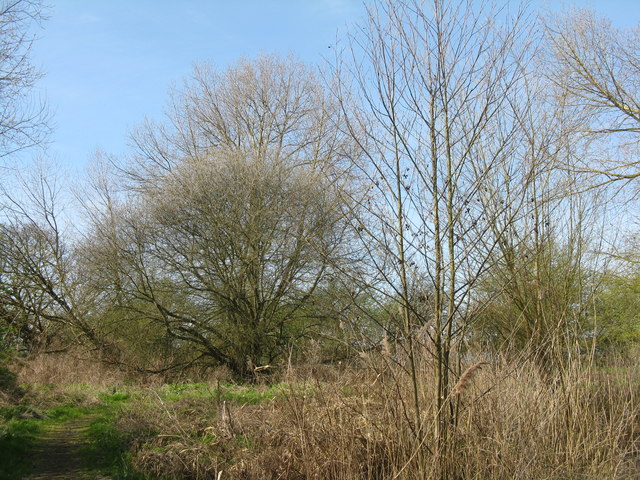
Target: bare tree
[38,274]
[23,121]
[438,92]
[597,67]
[268,107]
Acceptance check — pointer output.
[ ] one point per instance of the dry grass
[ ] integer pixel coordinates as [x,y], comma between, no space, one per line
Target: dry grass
[65,379]
[355,423]
[512,423]
[67,369]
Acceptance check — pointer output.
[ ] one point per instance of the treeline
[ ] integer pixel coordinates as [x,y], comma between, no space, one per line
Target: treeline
[448,184]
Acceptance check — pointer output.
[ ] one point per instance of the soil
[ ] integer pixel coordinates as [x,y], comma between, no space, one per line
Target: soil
[57,453]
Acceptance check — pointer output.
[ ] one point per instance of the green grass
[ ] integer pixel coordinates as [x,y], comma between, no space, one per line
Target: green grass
[19,428]
[65,412]
[107,450]
[251,395]
[108,447]
[240,394]
[16,440]
[115,399]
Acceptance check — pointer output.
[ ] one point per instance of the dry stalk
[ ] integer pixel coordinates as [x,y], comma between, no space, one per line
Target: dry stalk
[227,424]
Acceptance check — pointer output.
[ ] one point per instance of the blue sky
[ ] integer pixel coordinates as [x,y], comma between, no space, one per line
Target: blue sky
[110,63]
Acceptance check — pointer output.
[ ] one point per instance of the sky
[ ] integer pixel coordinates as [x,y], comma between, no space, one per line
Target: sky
[110,63]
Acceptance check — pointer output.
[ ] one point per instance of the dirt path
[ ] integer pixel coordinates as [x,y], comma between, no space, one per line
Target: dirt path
[57,453]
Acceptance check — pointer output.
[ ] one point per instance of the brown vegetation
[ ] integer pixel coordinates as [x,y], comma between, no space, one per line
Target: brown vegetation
[513,421]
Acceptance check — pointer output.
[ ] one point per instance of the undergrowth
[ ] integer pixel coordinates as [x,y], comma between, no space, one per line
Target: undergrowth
[513,421]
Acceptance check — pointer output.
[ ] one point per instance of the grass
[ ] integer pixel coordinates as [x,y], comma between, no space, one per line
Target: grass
[108,449]
[109,439]
[16,439]
[513,421]
[239,394]
[46,405]
[19,429]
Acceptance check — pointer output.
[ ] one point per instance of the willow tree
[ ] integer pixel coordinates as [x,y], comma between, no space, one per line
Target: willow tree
[233,220]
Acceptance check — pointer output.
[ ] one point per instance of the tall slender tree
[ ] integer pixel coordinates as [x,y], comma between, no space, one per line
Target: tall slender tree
[437,88]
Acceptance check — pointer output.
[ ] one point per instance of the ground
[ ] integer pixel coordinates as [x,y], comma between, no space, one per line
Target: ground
[57,453]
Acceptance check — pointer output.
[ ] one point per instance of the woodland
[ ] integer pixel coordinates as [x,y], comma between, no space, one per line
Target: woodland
[418,260]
